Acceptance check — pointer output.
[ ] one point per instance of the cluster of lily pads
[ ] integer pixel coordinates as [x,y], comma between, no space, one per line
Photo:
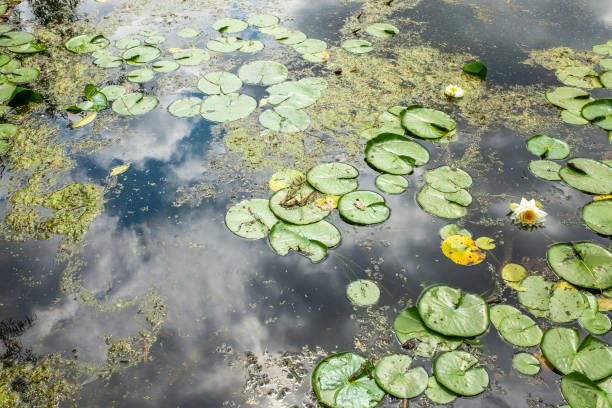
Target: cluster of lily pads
[293,217]
[578,106]
[379,30]
[459,247]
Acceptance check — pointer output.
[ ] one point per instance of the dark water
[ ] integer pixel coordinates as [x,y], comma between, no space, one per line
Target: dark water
[224,293]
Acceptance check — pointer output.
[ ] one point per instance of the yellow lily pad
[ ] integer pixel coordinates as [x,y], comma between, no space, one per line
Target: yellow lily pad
[328,203]
[485,243]
[284,178]
[513,273]
[461,250]
[604,304]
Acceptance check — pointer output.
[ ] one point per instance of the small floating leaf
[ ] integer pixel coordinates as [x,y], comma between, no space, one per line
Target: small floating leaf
[230,25]
[598,216]
[363,292]
[310,46]
[141,55]
[250,219]
[29,48]
[580,76]
[125,43]
[155,39]
[591,319]
[603,49]
[599,112]
[310,240]
[86,120]
[134,104]
[580,392]
[572,99]
[186,107]
[485,243]
[590,176]
[462,251]
[476,68]
[284,178]
[395,154]
[218,82]
[520,330]
[394,375]
[297,95]
[548,147]
[263,20]
[439,394]
[117,170]
[427,123]
[363,207]
[566,304]
[447,180]
[545,169]
[333,178]
[458,371]
[109,61]
[583,264]
[284,119]
[141,75]
[291,37]
[391,184]
[228,108]
[381,30]
[165,66]
[263,73]
[512,274]
[225,44]
[16,38]
[113,92]
[526,364]
[191,56]
[453,229]
[85,43]
[22,75]
[440,204]
[500,312]
[188,33]
[297,205]
[357,46]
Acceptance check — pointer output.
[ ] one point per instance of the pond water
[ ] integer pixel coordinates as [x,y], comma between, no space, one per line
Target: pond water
[154,302]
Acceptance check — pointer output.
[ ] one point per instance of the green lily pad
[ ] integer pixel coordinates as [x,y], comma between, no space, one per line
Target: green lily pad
[566,304]
[408,326]
[526,363]
[447,180]
[316,57]
[134,104]
[284,119]
[606,79]
[109,61]
[603,49]
[165,66]
[590,176]
[297,205]
[218,82]
[113,92]
[562,348]
[15,38]
[191,57]
[476,68]
[84,43]
[520,330]
[333,178]
[599,112]
[363,207]
[606,64]
[310,46]
[441,204]
[23,75]
[290,37]
[457,371]
[4,59]
[545,169]
[263,73]
[573,118]
[535,294]
[227,108]
[141,75]
[155,39]
[5,28]
[598,216]
[125,43]
[7,130]
[381,30]
[342,381]
[580,392]
[583,264]
[310,240]
[251,46]
[500,312]
[188,33]
[28,48]
[591,319]
[395,154]
[363,292]
[263,20]
[452,312]
[394,375]
[579,76]
[357,46]
[548,147]
[439,394]
[186,107]
[427,123]
[297,95]
[230,25]
[452,229]
[250,219]
[225,44]
[10,67]
[141,55]
[572,99]
[391,184]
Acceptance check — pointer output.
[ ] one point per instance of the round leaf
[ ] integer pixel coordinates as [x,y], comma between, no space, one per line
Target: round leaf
[186,107]
[310,46]
[572,99]
[439,204]
[284,119]
[580,76]
[155,39]
[298,95]
[566,304]
[250,219]
[592,320]
[583,264]
[391,184]
[191,57]
[535,295]
[165,66]
[83,43]
[588,175]
[141,75]
[263,20]
[439,394]
[125,43]
[520,330]
[452,229]
[603,49]
[548,147]
[109,61]
[262,73]
[217,83]
[457,371]
[381,30]
[311,240]
[188,33]
[363,292]
[113,92]
[28,48]
[462,251]
[230,25]
[526,364]
[284,178]
[545,169]
[580,392]
[363,207]
[22,75]
[447,180]
[333,178]
[357,46]
[134,104]
[476,68]
[225,44]
[501,312]
[394,375]
[427,123]
[227,108]
[297,205]
[141,54]
[599,112]
[598,216]
[395,154]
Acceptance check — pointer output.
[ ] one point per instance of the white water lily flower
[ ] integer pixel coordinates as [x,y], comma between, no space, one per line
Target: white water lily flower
[528,213]
[454,91]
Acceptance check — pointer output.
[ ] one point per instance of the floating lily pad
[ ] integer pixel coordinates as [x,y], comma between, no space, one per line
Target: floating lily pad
[606,64]
[535,294]
[513,274]
[439,204]
[452,312]
[453,229]
[147,32]
[4,59]
[447,180]
[109,61]
[141,55]
[225,44]
[113,92]
[251,46]
[297,95]
[263,73]
[566,304]
[598,216]
[391,184]
[599,112]
[458,371]
[333,178]
[520,330]
[155,39]
[5,28]
[476,68]
[573,118]
[427,123]
[580,76]
[310,46]
[290,37]
[606,79]
[363,207]
[23,75]
[10,67]
[409,326]
[230,25]
[83,43]
[191,57]
[310,240]
[186,107]
[134,104]
[165,66]
[591,319]
[342,381]
[439,394]
[15,38]
[28,48]
[125,43]
[572,99]
[526,363]
[284,178]
[562,348]
[580,392]
[141,75]
[603,49]
[394,375]
[395,154]
[297,205]
[590,176]
[218,82]
[363,292]
[548,147]
[357,46]
[284,119]
[381,30]
[250,219]
[188,33]
[500,312]
[485,243]
[263,20]
[545,169]
[583,264]
[227,108]
[462,251]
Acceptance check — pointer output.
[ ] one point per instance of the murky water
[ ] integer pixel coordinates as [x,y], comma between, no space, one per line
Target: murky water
[240,325]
